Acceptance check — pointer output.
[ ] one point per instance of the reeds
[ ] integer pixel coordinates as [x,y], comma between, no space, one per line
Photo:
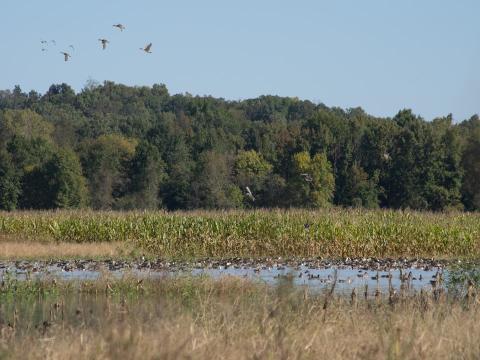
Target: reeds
[229,318]
[328,233]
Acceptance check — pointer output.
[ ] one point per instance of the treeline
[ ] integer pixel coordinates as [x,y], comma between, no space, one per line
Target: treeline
[118,147]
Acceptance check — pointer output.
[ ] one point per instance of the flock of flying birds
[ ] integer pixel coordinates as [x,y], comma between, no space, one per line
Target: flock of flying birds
[103,42]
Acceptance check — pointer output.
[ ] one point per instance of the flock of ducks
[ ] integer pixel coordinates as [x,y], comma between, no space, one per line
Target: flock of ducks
[103,42]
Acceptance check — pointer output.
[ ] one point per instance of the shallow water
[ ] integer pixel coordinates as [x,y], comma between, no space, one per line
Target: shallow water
[302,275]
[347,279]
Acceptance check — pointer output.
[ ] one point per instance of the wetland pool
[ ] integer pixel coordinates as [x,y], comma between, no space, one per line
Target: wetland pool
[371,275]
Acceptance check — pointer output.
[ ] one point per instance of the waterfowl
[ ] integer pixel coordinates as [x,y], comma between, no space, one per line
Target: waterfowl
[66,55]
[307,177]
[119,26]
[104,43]
[147,48]
[249,193]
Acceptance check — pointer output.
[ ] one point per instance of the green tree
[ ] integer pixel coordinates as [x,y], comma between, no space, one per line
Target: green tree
[10,188]
[147,172]
[252,170]
[212,187]
[408,164]
[176,191]
[59,183]
[105,162]
[361,191]
[313,182]
[471,165]
[25,123]
[443,178]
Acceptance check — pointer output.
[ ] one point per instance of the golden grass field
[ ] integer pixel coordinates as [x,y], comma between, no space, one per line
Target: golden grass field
[32,250]
[229,319]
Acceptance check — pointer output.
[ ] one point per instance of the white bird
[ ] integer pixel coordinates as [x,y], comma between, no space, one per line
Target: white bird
[67,55]
[120,26]
[249,193]
[147,48]
[104,43]
[307,177]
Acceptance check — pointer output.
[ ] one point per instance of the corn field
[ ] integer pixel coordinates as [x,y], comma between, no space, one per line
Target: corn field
[299,233]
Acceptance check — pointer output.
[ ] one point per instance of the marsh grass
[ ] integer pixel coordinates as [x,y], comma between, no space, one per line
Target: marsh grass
[228,318]
[328,233]
[35,250]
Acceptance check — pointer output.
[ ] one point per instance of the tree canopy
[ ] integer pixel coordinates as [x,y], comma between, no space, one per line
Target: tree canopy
[112,146]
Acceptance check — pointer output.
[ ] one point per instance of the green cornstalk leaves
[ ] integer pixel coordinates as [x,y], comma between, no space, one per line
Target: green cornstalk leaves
[333,233]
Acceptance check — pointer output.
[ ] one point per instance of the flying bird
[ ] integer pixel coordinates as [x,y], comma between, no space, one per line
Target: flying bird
[249,193]
[104,43]
[147,48]
[67,55]
[53,42]
[43,41]
[71,47]
[307,177]
[120,26]
[44,49]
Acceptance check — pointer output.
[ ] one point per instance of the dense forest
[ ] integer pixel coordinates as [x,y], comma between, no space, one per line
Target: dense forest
[112,146]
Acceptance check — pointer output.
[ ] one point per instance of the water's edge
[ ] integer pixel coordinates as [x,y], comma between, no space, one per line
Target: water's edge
[316,274]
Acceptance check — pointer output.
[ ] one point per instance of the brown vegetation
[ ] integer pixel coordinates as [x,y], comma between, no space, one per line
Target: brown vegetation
[24,250]
[234,319]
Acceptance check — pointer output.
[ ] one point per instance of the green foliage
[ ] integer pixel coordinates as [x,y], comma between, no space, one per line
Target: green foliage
[25,123]
[252,170]
[212,186]
[146,174]
[312,183]
[59,183]
[471,165]
[360,190]
[331,232]
[10,187]
[202,152]
[105,162]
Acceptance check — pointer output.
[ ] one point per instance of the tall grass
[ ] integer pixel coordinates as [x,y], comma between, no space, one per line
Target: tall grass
[328,233]
[228,319]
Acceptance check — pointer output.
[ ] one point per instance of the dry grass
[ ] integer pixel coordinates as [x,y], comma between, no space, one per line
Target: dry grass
[25,250]
[233,319]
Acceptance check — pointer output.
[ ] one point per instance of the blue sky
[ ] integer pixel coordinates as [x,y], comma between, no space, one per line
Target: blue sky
[382,55]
